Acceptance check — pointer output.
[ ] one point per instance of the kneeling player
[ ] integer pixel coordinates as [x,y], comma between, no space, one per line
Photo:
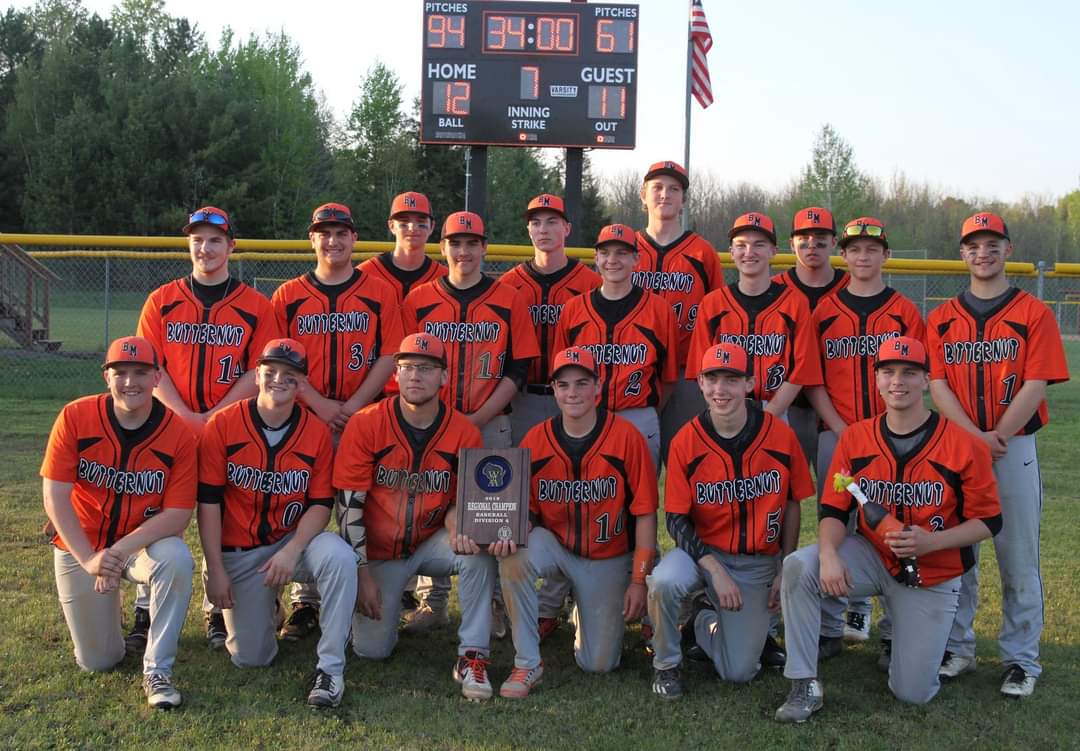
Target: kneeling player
[593,503]
[930,475]
[119,481]
[397,473]
[265,496]
[735,477]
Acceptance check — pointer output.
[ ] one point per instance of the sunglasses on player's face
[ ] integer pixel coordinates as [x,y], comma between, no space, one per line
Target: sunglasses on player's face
[867,230]
[332,215]
[209,217]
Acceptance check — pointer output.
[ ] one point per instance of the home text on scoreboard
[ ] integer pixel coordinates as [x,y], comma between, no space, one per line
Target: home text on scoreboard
[529,74]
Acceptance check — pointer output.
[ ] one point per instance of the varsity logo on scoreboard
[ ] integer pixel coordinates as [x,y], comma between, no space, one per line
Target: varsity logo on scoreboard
[563,91]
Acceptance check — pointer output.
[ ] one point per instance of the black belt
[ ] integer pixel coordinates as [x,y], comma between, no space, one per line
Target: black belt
[543,390]
[238,548]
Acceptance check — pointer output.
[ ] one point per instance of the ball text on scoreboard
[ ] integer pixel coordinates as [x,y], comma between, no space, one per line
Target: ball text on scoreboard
[529,74]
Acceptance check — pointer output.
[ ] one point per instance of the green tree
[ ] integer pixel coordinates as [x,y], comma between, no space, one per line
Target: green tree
[515,175]
[832,179]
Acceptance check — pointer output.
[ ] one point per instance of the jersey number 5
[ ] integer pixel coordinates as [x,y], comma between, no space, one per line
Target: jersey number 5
[772,526]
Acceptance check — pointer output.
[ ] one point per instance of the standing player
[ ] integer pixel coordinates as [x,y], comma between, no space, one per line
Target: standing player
[593,505]
[407,266]
[932,476]
[546,283]
[813,239]
[347,321]
[489,341]
[735,478]
[771,322]
[397,473]
[682,267]
[265,496]
[118,481]
[993,351]
[631,334]
[209,328]
[851,325]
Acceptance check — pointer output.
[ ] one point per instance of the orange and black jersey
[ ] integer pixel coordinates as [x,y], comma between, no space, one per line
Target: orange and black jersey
[633,340]
[941,481]
[344,327]
[682,273]
[774,328]
[120,477]
[402,281]
[409,474]
[987,358]
[733,491]
[586,491]
[487,333]
[205,347]
[813,295]
[545,295]
[850,330]
[263,489]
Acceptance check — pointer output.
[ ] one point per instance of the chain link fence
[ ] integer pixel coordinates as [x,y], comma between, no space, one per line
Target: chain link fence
[96,296]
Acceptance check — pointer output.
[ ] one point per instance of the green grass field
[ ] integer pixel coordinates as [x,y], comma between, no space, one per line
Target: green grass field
[410,701]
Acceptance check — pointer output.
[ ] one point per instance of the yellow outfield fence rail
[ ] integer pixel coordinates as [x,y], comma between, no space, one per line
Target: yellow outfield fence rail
[85,290]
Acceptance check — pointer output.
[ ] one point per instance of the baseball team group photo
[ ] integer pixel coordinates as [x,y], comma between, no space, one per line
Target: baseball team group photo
[633,481]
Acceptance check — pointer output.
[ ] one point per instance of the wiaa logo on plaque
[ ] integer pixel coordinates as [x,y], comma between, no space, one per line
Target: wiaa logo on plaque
[493,474]
[505,533]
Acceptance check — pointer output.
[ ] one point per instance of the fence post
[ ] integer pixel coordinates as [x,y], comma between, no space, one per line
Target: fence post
[107,302]
[1040,285]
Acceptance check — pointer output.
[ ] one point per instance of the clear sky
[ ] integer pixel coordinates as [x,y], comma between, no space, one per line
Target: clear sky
[978,97]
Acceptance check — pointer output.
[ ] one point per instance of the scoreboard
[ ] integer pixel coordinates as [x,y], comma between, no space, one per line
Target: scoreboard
[510,73]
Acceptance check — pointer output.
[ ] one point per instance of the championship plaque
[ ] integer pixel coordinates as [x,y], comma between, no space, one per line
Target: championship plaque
[493,495]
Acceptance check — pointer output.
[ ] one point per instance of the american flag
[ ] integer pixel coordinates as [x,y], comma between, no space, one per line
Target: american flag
[700,44]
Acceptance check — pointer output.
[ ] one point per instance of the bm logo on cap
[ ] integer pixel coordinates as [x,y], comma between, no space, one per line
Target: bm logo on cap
[617,231]
[573,355]
[410,202]
[545,200]
[669,165]
[814,216]
[421,344]
[982,221]
[130,348]
[902,348]
[725,356]
[754,219]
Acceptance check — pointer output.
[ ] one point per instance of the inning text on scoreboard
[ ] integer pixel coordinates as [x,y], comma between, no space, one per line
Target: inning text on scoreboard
[529,74]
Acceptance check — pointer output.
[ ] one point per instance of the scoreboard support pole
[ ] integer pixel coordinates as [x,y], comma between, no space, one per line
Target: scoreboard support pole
[476,200]
[575,161]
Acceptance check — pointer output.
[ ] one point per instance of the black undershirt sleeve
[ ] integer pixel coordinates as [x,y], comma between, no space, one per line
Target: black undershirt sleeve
[682,532]
[517,371]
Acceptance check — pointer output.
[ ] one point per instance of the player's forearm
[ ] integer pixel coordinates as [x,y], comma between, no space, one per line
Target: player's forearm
[57,499]
[961,536]
[645,532]
[170,522]
[313,521]
[789,531]
[167,394]
[372,385]
[1023,406]
[822,404]
[831,533]
[209,518]
[496,403]
[244,388]
[350,516]
[783,398]
[947,403]
[682,531]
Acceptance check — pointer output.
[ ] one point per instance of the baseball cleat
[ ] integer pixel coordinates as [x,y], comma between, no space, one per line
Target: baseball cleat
[885,658]
[857,627]
[954,666]
[160,691]
[470,671]
[1016,683]
[521,682]
[772,654]
[667,683]
[690,647]
[408,601]
[829,646]
[302,623]
[326,690]
[216,633]
[135,641]
[547,627]
[806,697]
[424,619]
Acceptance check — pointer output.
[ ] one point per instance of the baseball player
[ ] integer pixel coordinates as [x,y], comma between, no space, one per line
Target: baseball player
[397,473]
[406,266]
[931,475]
[850,326]
[993,351]
[735,477]
[347,321]
[118,481]
[631,334]
[489,342]
[208,328]
[682,267]
[546,283]
[265,496]
[813,239]
[593,507]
